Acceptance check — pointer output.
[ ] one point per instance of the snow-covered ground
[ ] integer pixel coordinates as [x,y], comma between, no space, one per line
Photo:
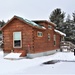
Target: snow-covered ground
[35,66]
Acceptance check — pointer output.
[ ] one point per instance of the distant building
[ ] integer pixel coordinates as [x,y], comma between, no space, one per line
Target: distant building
[32,38]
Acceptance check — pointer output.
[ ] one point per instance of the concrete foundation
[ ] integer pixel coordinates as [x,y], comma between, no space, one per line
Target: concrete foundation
[42,53]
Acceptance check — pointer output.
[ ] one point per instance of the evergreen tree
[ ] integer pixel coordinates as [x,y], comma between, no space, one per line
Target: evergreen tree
[57,17]
[68,18]
[2,23]
[67,26]
[69,29]
[73,16]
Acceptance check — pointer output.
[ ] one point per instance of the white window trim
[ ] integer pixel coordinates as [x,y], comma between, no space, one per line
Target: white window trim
[40,32]
[13,40]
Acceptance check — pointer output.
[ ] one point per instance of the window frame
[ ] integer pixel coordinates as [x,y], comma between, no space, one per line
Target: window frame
[54,40]
[48,36]
[39,33]
[49,27]
[20,40]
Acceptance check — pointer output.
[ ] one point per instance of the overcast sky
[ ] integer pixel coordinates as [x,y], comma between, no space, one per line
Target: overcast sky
[34,9]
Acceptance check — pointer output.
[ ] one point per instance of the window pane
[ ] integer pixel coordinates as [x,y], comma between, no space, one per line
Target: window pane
[40,34]
[54,42]
[49,26]
[17,43]
[49,37]
[17,35]
[54,37]
[17,39]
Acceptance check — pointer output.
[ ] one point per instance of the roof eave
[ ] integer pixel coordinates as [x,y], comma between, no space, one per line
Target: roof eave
[7,23]
[59,32]
[45,22]
[22,21]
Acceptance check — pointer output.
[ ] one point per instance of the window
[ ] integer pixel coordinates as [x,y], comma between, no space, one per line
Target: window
[48,37]
[49,27]
[54,39]
[62,38]
[17,42]
[39,34]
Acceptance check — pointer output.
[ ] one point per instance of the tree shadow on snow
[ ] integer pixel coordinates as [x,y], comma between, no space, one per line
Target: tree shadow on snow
[56,61]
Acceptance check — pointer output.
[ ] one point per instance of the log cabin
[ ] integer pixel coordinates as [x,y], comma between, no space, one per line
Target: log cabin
[31,38]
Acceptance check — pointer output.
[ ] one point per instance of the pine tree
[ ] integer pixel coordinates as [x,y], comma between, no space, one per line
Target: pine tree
[73,16]
[57,17]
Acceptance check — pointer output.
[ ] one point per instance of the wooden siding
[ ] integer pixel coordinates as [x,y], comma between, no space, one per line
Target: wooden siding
[31,43]
[14,26]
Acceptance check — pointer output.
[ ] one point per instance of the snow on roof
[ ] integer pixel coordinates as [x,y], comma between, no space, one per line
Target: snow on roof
[60,32]
[51,23]
[30,22]
[43,27]
[13,56]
